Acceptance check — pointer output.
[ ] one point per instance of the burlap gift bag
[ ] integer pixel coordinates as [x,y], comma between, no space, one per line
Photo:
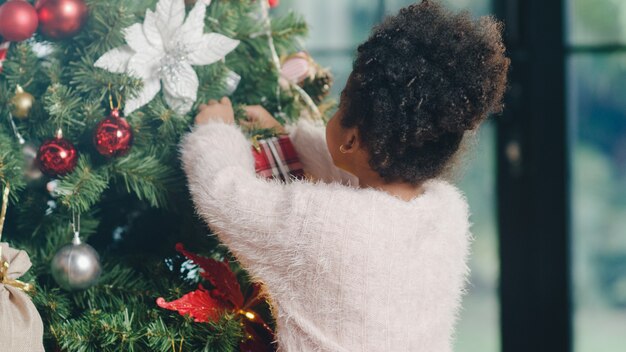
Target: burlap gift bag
[21,329]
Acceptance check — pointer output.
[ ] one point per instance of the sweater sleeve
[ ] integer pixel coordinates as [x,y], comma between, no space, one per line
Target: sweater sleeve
[309,139]
[246,212]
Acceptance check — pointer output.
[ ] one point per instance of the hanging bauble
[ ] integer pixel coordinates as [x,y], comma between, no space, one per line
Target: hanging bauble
[76,266]
[18,20]
[274,3]
[57,156]
[113,135]
[21,103]
[60,19]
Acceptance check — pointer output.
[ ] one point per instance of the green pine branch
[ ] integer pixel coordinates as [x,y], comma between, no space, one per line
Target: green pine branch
[144,175]
[63,106]
[81,189]
[11,164]
[287,31]
[21,66]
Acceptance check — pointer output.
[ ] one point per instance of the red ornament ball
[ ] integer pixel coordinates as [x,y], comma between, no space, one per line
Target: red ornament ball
[60,19]
[57,157]
[274,3]
[113,135]
[18,20]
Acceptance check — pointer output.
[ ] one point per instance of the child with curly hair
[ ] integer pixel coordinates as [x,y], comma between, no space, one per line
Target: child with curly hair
[370,255]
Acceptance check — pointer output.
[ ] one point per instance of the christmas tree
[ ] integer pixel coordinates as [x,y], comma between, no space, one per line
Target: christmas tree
[96,94]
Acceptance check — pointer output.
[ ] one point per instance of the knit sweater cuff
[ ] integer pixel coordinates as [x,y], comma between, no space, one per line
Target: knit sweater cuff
[214,146]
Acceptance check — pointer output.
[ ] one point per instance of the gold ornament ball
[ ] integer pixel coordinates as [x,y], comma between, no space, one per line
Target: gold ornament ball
[21,103]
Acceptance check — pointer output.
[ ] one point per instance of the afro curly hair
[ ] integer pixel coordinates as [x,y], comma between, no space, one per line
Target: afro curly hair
[423,78]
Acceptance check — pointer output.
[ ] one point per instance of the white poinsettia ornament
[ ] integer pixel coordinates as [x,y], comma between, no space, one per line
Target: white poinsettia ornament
[163,49]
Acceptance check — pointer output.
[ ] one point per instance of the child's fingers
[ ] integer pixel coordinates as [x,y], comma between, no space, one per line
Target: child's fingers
[226,101]
[251,112]
[200,119]
[245,123]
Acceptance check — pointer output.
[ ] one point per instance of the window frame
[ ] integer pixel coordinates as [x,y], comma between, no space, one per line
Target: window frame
[533,181]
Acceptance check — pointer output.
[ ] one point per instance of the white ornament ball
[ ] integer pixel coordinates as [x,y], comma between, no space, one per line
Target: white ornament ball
[76,266]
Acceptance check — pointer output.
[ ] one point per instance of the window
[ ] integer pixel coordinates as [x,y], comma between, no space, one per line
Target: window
[596,71]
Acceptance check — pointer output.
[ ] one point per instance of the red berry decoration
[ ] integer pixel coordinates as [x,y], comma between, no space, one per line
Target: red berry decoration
[274,3]
[60,19]
[57,156]
[18,20]
[113,135]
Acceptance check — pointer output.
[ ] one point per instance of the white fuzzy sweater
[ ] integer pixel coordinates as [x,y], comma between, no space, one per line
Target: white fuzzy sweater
[347,269]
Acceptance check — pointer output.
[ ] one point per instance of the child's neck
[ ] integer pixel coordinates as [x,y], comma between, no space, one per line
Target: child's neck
[402,190]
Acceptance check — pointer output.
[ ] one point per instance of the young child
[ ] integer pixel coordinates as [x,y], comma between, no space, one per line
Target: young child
[372,255]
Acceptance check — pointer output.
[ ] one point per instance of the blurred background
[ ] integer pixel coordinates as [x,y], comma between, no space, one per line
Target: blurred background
[588,130]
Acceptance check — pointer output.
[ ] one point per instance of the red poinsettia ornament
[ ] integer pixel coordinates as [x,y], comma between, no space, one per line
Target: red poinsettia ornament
[208,305]
[197,304]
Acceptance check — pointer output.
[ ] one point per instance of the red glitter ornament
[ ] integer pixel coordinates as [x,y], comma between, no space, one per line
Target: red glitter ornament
[113,135]
[18,20]
[60,19]
[274,3]
[57,156]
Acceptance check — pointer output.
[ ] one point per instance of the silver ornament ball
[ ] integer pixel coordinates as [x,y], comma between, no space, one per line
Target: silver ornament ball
[76,266]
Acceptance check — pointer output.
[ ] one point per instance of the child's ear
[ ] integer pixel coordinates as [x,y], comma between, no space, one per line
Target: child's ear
[352,140]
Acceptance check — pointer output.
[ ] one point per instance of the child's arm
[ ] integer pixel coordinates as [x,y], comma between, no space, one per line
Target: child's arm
[247,213]
[309,139]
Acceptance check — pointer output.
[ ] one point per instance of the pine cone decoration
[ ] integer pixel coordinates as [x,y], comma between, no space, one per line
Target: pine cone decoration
[319,86]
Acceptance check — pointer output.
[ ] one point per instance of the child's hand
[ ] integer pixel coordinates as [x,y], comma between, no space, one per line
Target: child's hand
[258,117]
[214,110]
